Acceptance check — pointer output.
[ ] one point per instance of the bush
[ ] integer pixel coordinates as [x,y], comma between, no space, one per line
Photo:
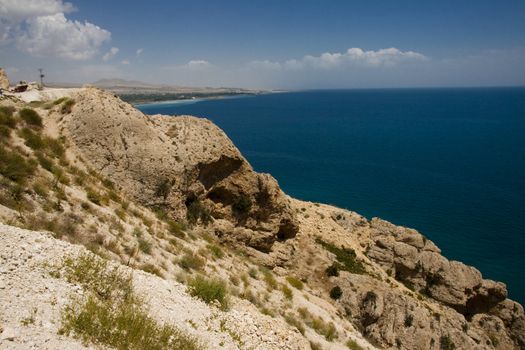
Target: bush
[292,321]
[352,345]
[94,196]
[175,228]
[196,211]
[32,139]
[5,132]
[191,261]
[144,246]
[271,283]
[209,290]
[6,117]
[216,251]
[345,256]
[14,167]
[445,343]
[408,320]
[332,270]
[31,117]
[150,268]
[295,282]
[67,107]
[287,292]
[336,293]
[111,314]
[242,204]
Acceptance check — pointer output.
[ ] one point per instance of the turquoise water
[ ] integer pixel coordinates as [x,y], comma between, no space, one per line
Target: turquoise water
[448,162]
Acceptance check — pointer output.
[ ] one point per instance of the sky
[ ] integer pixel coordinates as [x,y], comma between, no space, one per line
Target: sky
[276,44]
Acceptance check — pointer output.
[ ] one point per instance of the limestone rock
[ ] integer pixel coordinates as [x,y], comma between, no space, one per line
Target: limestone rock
[4,81]
[182,164]
[412,258]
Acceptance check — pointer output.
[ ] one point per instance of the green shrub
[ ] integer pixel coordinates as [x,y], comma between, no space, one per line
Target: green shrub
[287,292]
[94,196]
[191,262]
[216,251]
[144,246]
[242,204]
[271,282]
[209,290]
[111,314]
[292,321]
[6,113]
[336,293]
[408,320]
[32,139]
[45,162]
[196,211]
[59,100]
[5,132]
[150,268]
[295,282]
[352,345]
[345,256]
[445,343]
[175,228]
[67,107]
[333,270]
[15,167]
[31,117]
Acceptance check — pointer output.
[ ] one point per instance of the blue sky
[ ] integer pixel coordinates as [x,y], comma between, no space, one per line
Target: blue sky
[267,44]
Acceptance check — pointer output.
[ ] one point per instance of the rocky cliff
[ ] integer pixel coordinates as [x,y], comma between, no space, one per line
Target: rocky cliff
[180,184]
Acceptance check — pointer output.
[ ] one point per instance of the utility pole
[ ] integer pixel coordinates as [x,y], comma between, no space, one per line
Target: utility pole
[41,71]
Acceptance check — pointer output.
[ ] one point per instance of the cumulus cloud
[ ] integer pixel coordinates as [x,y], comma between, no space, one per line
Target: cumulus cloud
[40,28]
[139,51]
[17,10]
[353,56]
[125,61]
[110,54]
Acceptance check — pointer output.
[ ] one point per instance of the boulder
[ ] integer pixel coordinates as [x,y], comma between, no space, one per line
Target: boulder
[4,81]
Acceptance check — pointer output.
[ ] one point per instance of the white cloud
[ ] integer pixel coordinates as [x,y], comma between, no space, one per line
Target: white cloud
[139,51]
[40,28]
[197,64]
[55,35]
[110,54]
[17,10]
[353,56]
[125,61]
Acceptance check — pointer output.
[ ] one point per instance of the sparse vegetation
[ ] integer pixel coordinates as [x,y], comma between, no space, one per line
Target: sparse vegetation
[287,292]
[352,345]
[191,261]
[292,321]
[445,343]
[15,167]
[112,314]
[209,290]
[67,106]
[295,282]
[216,251]
[31,117]
[144,246]
[346,257]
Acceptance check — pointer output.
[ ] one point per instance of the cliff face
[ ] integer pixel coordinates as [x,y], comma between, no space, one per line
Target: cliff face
[362,278]
[184,165]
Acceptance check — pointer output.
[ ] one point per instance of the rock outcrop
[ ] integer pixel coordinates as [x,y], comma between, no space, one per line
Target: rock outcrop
[184,165]
[4,81]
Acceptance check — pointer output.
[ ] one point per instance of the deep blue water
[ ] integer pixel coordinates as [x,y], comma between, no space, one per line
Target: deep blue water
[448,162]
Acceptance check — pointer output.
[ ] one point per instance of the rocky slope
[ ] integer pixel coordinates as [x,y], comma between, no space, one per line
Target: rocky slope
[331,276]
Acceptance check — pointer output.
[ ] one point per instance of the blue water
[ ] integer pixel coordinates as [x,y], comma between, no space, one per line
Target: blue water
[448,162]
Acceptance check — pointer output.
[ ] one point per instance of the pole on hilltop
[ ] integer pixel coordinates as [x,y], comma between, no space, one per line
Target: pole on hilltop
[41,71]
